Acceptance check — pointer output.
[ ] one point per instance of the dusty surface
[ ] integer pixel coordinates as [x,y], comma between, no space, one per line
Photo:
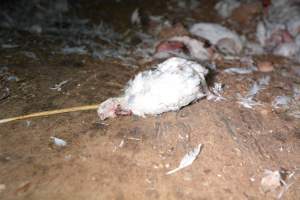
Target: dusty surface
[128,157]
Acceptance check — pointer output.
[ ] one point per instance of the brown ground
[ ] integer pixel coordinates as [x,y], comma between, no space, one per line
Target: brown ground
[127,157]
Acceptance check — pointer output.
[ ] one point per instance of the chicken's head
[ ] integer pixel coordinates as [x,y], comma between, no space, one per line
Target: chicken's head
[108,108]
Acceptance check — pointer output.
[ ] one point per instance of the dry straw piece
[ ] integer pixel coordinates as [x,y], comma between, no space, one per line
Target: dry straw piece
[51,112]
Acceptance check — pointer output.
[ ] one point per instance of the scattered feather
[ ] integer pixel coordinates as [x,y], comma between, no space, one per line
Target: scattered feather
[58,142]
[258,86]
[248,101]
[296,92]
[9,46]
[58,87]
[121,143]
[281,101]
[53,20]
[13,78]
[74,50]
[216,91]
[135,17]
[264,81]
[187,160]
[5,93]
[28,123]
[30,55]
[239,70]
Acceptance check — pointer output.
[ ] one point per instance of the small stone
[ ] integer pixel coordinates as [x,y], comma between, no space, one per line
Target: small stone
[265,66]
[2,187]
[264,111]
[170,46]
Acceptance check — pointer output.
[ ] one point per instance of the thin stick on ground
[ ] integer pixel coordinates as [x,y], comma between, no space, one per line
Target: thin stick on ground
[50,112]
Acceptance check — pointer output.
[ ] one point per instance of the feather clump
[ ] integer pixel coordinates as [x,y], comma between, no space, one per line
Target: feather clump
[173,84]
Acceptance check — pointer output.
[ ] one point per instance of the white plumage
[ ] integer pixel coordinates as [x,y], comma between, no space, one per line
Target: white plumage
[279,32]
[173,84]
[218,35]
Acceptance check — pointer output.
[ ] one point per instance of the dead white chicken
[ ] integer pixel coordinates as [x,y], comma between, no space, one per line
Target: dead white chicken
[279,30]
[173,84]
[270,35]
[185,46]
[285,12]
[226,40]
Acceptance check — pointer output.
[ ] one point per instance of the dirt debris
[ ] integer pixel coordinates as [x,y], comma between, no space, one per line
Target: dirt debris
[127,157]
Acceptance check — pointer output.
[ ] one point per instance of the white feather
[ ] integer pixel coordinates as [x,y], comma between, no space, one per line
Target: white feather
[248,101]
[281,101]
[187,160]
[239,70]
[59,142]
[135,17]
[74,50]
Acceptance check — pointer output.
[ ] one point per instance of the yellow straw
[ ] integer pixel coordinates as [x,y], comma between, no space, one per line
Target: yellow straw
[51,112]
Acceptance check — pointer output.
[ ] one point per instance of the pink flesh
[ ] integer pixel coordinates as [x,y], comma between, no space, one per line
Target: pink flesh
[287,37]
[281,36]
[170,46]
[121,112]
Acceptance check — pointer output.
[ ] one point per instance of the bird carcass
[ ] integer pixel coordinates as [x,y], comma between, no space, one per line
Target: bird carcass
[226,40]
[185,46]
[173,84]
[279,32]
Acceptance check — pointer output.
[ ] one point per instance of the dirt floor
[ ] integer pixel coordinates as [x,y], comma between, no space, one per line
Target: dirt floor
[128,157]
